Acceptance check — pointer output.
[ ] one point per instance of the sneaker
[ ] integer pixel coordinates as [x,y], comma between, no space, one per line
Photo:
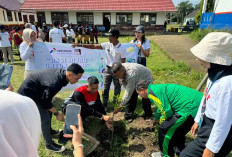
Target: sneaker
[54,132]
[55,147]
[157,154]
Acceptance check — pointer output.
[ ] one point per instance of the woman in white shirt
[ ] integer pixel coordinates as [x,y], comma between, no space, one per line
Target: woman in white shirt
[143,45]
[68,33]
[27,52]
[214,119]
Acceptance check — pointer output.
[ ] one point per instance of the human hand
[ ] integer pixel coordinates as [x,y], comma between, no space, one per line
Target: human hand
[60,117]
[77,132]
[109,126]
[194,129]
[10,88]
[207,153]
[30,44]
[74,45]
[107,118]
[139,46]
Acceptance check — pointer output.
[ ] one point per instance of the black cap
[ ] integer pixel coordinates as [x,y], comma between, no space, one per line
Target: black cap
[2,27]
[140,29]
[113,32]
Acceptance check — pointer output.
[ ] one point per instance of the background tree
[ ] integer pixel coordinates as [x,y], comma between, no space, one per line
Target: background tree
[183,9]
[209,8]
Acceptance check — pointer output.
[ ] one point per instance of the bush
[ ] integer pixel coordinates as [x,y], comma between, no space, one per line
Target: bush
[199,34]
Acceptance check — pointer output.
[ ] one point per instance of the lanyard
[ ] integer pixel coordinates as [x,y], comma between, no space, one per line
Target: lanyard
[205,97]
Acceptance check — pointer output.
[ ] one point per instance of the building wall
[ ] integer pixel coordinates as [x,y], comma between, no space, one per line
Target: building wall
[160,18]
[48,17]
[72,17]
[5,21]
[136,19]
[113,19]
[98,18]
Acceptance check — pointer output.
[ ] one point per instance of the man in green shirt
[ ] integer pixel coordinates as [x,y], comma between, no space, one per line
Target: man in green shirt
[176,108]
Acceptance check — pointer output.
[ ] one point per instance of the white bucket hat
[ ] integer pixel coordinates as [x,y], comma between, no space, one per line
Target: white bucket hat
[66,25]
[215,47]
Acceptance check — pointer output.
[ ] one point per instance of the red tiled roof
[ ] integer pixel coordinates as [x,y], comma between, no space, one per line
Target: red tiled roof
[100,5]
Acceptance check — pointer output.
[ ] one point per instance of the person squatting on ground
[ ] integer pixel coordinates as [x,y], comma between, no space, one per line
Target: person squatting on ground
[88,97]
[26,51]
[129,74]
[176,108]
[214,119]
[41,86]
[5,45]
[114,53]
[143,45]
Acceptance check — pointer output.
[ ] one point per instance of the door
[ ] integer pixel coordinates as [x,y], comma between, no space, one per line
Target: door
[106,21]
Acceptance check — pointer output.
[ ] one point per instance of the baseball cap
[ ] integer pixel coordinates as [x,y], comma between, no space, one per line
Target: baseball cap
[140,29]
[113,32]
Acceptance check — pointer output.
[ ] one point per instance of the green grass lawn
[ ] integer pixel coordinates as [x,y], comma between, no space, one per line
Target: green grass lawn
[164,70]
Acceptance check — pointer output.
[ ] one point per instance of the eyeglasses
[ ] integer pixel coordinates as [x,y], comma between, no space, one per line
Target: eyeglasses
[139,32]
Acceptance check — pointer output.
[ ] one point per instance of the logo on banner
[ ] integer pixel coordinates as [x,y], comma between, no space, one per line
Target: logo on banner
[53,51]
[77,51]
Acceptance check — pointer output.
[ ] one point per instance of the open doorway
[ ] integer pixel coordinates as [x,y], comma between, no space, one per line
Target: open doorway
[106,21]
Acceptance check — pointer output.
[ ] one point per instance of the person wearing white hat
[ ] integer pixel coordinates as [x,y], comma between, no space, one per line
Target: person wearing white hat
[68,33]
[214,119]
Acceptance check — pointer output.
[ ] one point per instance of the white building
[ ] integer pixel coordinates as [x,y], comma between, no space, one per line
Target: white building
[123,14]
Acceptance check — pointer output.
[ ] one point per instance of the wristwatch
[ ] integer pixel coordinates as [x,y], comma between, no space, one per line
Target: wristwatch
[56,113]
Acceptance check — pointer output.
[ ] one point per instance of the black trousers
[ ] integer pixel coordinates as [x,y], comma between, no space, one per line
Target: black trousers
[196,147]
[131,105]
[97,106]
[176,143]
[142,61]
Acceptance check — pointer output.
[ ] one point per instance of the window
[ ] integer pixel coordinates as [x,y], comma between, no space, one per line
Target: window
[85,18]
[148,19]
[9,15]
[60,16]
[20,16]
[4,15]
[124,18]
[25,19]
[32,18]
[41,18]
[16,19]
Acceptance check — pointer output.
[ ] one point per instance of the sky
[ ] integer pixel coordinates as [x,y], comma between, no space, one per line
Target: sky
[176,2]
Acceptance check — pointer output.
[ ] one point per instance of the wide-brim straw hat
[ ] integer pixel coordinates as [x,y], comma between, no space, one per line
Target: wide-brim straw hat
[215,47]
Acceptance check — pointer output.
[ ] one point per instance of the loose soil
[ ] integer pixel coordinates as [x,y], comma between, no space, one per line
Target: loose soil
[138,134]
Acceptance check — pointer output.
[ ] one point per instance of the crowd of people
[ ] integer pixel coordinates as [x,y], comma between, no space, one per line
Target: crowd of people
[56,33]
[179,108]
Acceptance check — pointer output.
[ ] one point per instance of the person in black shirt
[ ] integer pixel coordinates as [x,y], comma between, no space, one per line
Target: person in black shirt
[41,86]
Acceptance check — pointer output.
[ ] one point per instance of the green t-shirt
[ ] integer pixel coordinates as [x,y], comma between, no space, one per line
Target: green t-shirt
[171,98]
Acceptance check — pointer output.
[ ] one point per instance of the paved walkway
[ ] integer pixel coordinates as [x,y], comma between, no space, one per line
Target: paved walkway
[178,48]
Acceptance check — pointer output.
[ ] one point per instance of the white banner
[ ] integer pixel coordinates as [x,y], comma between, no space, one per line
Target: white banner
[59,55]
